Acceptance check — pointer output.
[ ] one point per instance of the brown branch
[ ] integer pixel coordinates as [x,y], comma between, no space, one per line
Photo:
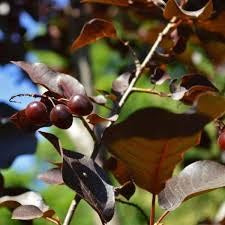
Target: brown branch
[152,217]
[150,91]
[161,218]
[122,101]
[140,69]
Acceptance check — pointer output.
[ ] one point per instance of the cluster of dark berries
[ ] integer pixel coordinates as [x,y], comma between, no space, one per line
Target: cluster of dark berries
[58,113]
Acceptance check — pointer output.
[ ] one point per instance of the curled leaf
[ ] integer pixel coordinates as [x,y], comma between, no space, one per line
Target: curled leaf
[190,87]
[174,9]
[93,31]
[194,179]
[59,83]
[96,119]
[28,198]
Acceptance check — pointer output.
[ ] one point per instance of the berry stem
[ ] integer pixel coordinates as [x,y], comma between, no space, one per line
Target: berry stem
[161,218]
[152,217]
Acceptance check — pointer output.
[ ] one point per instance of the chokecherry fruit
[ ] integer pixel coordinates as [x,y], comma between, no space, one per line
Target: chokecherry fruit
[37,113]
[221,141]
[61,116]
[80,105]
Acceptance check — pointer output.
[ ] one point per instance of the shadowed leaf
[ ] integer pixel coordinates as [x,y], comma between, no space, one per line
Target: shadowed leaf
[93,31]
[84,176]
[194,179]
[173,9]
[151,141]
[118,168]
[59,83]
[126,190]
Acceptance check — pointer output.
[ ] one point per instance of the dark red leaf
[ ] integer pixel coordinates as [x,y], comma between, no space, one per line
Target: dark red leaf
[96,119]
[174,9]
[93,31]
[151,141]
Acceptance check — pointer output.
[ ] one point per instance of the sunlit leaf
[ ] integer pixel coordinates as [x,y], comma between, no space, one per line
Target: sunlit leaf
[194,179]
[59,83]
[152,141]
[93,31]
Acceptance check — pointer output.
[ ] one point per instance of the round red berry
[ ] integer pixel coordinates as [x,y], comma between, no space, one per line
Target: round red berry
[37,113]
[80,105]
[61,116]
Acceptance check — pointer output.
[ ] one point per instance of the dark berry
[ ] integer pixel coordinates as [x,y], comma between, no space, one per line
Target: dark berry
[61,116]
[37,113]
[80,105]
[221,141]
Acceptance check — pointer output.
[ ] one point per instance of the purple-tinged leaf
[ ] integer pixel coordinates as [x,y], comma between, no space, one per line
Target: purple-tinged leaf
[26,212]
[52,176]
[59,83]
[28,198]
[120,85]
[99,99]
[194,179]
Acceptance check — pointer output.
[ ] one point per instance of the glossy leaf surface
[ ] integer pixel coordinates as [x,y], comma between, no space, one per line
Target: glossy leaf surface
[198,177]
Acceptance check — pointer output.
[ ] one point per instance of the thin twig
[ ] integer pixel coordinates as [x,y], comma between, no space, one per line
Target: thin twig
[150,91]
[135,206]
[152,217]
[133,53]
[87,126]
[71,210]
[53,220]
[140,69]
[138,72]
[161,218]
